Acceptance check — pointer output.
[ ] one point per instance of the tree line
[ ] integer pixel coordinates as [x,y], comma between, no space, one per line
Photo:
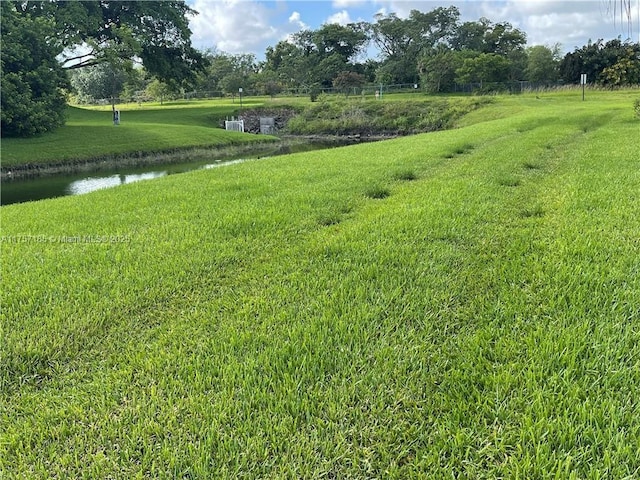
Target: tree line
[41,61]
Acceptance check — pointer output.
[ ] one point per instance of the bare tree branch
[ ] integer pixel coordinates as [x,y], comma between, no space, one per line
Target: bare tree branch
[87,63]
[77,57]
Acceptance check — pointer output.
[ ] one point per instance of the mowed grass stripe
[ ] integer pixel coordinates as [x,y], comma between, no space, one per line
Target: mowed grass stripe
[441,330]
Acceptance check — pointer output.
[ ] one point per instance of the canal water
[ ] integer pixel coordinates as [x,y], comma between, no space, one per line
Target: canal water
[51,186]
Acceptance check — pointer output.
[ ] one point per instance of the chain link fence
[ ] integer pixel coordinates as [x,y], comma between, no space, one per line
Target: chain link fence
[370,90]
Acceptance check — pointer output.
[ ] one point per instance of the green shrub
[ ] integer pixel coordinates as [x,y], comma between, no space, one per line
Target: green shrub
[331,115]
[32,102]
[314,93]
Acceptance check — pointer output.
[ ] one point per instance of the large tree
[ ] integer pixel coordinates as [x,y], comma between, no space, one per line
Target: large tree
[103,81]
[35,34]
[474,52]
[348,82]
[438,69]
[325,52]
[93,32]
[403,41]
[612,63]
[32,80]
[542,64]
[289,64]
[347,41]
[483,68]
[227,73]
[313,58]
[486,37]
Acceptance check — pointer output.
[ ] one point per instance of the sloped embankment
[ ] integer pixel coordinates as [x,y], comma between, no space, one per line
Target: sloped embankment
[348,117]
[382,118]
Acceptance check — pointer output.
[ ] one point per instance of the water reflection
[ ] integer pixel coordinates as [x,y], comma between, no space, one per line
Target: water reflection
[92,184]
[225,163]
[39,188]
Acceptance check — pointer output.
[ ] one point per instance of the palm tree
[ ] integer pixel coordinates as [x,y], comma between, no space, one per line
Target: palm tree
[623,8]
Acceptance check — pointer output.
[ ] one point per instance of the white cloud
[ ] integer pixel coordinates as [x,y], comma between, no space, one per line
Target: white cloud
[243,26]
[348,3]
[571,22]
[295,19]
[403,8]
[341,18]
[234,26]
[544,27]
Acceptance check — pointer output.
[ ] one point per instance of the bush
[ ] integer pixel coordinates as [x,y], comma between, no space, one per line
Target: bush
[33,101]
[314,93]
[340,116]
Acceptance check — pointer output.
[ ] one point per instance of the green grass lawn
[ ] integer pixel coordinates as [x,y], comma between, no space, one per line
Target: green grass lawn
[89,133]
[459,304]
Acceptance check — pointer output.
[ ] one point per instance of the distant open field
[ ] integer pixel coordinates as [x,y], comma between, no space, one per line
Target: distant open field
[457,304]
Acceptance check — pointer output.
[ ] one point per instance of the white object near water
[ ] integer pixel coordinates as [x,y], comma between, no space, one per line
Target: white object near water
[234,125]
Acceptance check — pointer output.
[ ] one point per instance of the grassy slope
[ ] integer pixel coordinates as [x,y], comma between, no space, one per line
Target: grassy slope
[270,320]
[89,133]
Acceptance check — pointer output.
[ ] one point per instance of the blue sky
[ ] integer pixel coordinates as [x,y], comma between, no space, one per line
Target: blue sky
[249,26]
